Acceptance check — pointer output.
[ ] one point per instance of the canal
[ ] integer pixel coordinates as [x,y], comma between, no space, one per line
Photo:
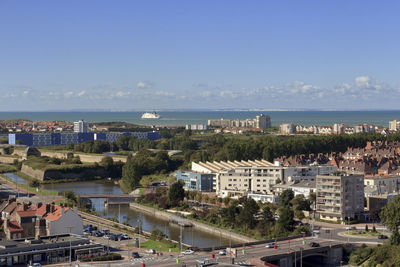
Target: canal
[191,235]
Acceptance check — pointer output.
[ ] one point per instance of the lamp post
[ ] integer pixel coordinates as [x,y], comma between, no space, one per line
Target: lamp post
[295,261]
[70,246]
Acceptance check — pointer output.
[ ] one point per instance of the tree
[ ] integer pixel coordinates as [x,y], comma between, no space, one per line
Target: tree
[247,212]
[299,214]
[299,202]
[176,193]
[131,175]
[366,228]
[157,234]
[107,162]
[34,183]
[285,218]
[285,197]
[390,216]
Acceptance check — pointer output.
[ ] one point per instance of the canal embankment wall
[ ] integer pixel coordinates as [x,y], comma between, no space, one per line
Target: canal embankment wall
[83,157]
[54,174]
[202,226]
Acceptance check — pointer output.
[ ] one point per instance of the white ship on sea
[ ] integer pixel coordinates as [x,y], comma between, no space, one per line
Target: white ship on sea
[150,115]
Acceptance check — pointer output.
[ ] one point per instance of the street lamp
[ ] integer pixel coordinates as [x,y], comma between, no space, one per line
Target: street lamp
[70,246]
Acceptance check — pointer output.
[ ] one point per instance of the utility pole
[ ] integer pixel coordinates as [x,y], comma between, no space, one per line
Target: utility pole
[180,238]
[301,257]
[70,246]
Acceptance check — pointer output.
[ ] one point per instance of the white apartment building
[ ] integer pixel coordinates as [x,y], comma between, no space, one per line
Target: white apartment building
[394,125]
[81,127]
[235,179]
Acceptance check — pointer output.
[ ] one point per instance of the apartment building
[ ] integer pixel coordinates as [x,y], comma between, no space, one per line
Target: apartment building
[238,178]
[380,185]
[340,197]
[261,121]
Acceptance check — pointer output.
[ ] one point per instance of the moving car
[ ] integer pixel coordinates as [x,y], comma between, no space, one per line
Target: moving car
[382,237]
[188,252]
[351,228]
[135,255]
[222,252]
[35,265]
[314,244]
[151,251]
[270,245]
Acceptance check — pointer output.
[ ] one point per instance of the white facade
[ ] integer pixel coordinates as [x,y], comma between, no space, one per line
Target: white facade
[263,198]
[81,127]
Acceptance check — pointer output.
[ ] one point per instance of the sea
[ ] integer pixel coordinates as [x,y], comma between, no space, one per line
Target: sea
[181,118]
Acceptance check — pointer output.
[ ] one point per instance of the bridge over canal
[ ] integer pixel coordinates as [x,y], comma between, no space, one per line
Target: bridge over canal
[110,199]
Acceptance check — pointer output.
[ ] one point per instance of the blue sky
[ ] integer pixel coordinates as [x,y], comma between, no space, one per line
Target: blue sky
[211,54]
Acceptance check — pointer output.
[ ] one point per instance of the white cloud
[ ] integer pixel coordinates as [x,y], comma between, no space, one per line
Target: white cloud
[26,92]
[362,81]
[144,85]
[81,93]
[68,94]
[164,93]
[122,94]
[205,94]
[228,93]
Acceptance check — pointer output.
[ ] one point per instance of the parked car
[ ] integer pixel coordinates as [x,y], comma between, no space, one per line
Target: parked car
[151,251]
[97,234]
[222,252]
[135,255]
[270,245]
[114,237]
[188,252]
[314,244]
[125,236]
[382,237]
[35,265]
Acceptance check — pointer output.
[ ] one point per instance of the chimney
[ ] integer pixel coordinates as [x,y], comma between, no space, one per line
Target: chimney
[48,208]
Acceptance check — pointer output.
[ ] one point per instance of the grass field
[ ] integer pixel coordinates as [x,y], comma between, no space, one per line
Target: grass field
[366,234]
[159,246]
[7,168]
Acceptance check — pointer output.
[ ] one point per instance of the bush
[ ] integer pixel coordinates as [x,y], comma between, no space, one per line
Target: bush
[34,183]
[157,234]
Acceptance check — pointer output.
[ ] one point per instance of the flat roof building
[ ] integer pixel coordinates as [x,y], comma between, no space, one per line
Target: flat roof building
[340,197]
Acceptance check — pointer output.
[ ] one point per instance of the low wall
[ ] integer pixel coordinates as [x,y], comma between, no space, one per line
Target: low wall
[7,160]
[37,174]
[204,227]
[84,157]
[55,174]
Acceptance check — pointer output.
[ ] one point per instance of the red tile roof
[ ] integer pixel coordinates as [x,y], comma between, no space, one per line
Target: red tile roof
[56,214]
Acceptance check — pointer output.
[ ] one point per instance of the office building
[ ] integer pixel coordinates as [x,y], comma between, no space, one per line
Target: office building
[196,181]
[81,127]
[340,197]
[54,139]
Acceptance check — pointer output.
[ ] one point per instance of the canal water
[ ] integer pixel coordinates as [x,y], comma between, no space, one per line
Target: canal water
[191,235]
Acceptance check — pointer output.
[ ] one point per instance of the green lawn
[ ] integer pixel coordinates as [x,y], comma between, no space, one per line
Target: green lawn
[366,234]
[25,186]
[7,168]
[159,246]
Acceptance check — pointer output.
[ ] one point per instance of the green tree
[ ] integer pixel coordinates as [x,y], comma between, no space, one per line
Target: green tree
[131,175]
[107,162]
[34,183]
[285,218]
[299,214]
[299,202]
[176,193]
[390,216]
[285,197]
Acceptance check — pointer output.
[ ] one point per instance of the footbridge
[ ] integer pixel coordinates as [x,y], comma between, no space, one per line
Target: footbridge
[110,199]
[329,253]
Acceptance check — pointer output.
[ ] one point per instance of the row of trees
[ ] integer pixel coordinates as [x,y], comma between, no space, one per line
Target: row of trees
[145,163]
